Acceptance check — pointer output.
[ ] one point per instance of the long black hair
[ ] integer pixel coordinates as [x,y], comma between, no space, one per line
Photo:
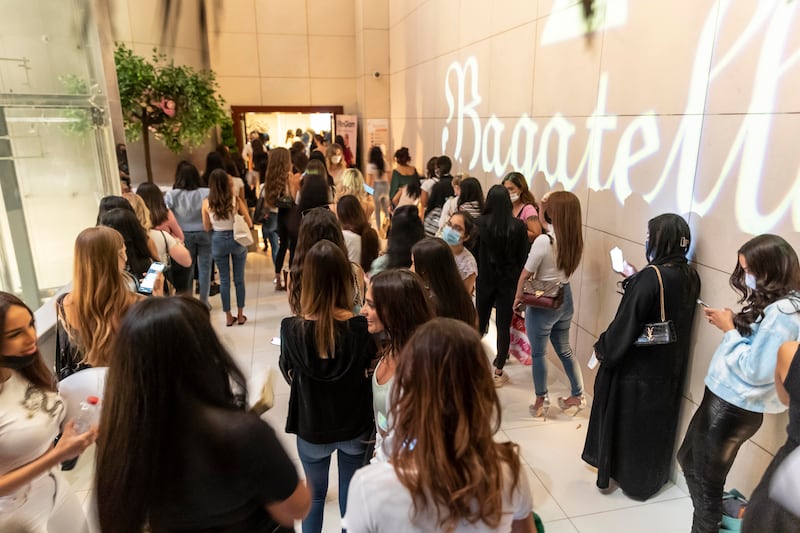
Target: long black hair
[376,158]
[434,262]
[406,230]
[499,216]
[107,203]
[774,264]
[187,177]
[169,367]
[214,160]
[471,191]
[38,373]
[135,237]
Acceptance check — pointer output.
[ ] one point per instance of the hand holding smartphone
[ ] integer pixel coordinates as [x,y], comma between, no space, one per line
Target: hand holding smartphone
[149,281]
[618,263]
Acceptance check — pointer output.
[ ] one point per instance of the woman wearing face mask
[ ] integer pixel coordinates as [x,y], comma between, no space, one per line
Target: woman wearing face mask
[456,233]
[334,159]
[33,495]
[740,384]
[396,305]
[638,389]
[523,203]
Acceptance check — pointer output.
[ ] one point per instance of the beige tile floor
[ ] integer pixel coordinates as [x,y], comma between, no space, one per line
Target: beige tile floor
[563,486]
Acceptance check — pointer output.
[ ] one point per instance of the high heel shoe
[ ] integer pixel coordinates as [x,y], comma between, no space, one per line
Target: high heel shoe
[578,402]
[280,284]
[541,407]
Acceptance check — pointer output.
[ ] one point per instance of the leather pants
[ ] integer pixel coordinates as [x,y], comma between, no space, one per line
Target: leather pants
[709,448]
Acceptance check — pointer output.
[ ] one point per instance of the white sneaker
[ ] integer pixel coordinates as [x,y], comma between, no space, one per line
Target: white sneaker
[500,379]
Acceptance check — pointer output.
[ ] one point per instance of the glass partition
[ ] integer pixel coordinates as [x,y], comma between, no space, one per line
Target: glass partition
[56,147]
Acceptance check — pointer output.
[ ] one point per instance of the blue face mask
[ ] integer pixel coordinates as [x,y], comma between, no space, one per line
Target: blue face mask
[451,236]
[750,281]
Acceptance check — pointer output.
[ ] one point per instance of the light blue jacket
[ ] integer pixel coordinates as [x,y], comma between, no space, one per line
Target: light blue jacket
[742,371]
[187,206]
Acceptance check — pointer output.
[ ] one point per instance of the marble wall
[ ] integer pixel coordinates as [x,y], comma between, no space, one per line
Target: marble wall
[687,106]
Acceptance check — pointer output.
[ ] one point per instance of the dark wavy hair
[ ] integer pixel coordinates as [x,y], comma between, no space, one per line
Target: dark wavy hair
[774,264]
[38,373]
[107,203]
[444,402]
[402,155]
[434,262]
[376,158]
[169,368]
[220,195]
[214,161]
[525,194]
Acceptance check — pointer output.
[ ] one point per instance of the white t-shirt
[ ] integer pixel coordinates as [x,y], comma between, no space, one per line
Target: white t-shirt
[466,263]
[238,185]
[164,243]
[428,184]
[379,503]
[353,243]
[542,260]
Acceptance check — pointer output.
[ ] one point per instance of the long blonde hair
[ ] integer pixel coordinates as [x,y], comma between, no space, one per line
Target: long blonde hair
[140,208]
[100,295]
[445,413]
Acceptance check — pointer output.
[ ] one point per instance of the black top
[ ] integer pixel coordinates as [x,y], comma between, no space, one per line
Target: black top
[331,399]
[500,261]
[638,389]
[792,386]
[440,193]
[230,466]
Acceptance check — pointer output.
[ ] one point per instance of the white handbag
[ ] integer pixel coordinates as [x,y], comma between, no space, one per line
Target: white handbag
[241,231]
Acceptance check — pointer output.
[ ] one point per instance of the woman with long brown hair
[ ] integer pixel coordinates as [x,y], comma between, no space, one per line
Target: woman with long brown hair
[219,211]
[396,305]
[318,224]
[325,353]
[90,314]
[33,494]
[279,168]
[433,260]
[362,241]
[446,472]
[554,256]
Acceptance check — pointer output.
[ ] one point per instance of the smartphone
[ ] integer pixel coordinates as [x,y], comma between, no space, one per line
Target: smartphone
[150,278]
[617,262]
[701,302]
[369,189]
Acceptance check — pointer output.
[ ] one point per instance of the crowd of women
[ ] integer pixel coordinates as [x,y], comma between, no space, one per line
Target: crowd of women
[383,356]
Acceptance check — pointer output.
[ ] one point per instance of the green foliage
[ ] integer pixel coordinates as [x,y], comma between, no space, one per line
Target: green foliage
[79,120]
[176,103]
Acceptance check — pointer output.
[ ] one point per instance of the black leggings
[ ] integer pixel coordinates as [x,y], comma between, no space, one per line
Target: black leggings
[287,238]
[709,448]
[502,298]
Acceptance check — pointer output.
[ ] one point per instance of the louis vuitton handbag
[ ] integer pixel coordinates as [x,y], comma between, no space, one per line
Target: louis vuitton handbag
[544,294]
[656,333]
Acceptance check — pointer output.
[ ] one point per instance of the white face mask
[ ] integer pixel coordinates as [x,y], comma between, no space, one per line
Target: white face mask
[514,198]
[750,281]
[336,159]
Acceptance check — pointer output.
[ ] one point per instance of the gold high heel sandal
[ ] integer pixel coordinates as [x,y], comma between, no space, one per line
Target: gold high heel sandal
[540,408]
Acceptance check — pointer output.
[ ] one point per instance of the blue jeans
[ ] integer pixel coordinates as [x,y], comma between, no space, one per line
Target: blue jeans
[542,324]
[269,231]
[316,459]
[224,249]
[199,245]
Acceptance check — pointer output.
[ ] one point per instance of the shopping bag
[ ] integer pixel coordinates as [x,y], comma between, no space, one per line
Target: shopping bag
[520,347]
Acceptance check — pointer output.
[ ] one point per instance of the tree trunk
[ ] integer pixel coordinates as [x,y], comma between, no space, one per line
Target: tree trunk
[146,143]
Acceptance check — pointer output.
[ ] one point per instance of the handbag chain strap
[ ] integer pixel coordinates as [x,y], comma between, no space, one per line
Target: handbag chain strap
[661,293]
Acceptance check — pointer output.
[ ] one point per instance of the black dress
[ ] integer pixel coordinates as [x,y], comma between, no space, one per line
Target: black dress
[637,391]
[764,514]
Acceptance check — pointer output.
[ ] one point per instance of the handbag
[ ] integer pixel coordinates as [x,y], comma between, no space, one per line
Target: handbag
[656,333]
[262,209]
[520,346]
[543,294]
[285,200]
[241,231]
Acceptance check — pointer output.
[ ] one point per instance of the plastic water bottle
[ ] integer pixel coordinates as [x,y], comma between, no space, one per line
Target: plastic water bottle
[90,411]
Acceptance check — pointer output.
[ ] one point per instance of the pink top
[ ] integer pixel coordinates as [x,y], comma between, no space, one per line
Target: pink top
[171,226]
[526,212]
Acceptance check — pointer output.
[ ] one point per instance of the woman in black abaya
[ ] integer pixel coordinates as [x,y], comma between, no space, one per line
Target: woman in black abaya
[637,392]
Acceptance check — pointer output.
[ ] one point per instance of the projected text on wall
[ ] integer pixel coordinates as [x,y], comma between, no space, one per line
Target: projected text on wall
[532,146]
